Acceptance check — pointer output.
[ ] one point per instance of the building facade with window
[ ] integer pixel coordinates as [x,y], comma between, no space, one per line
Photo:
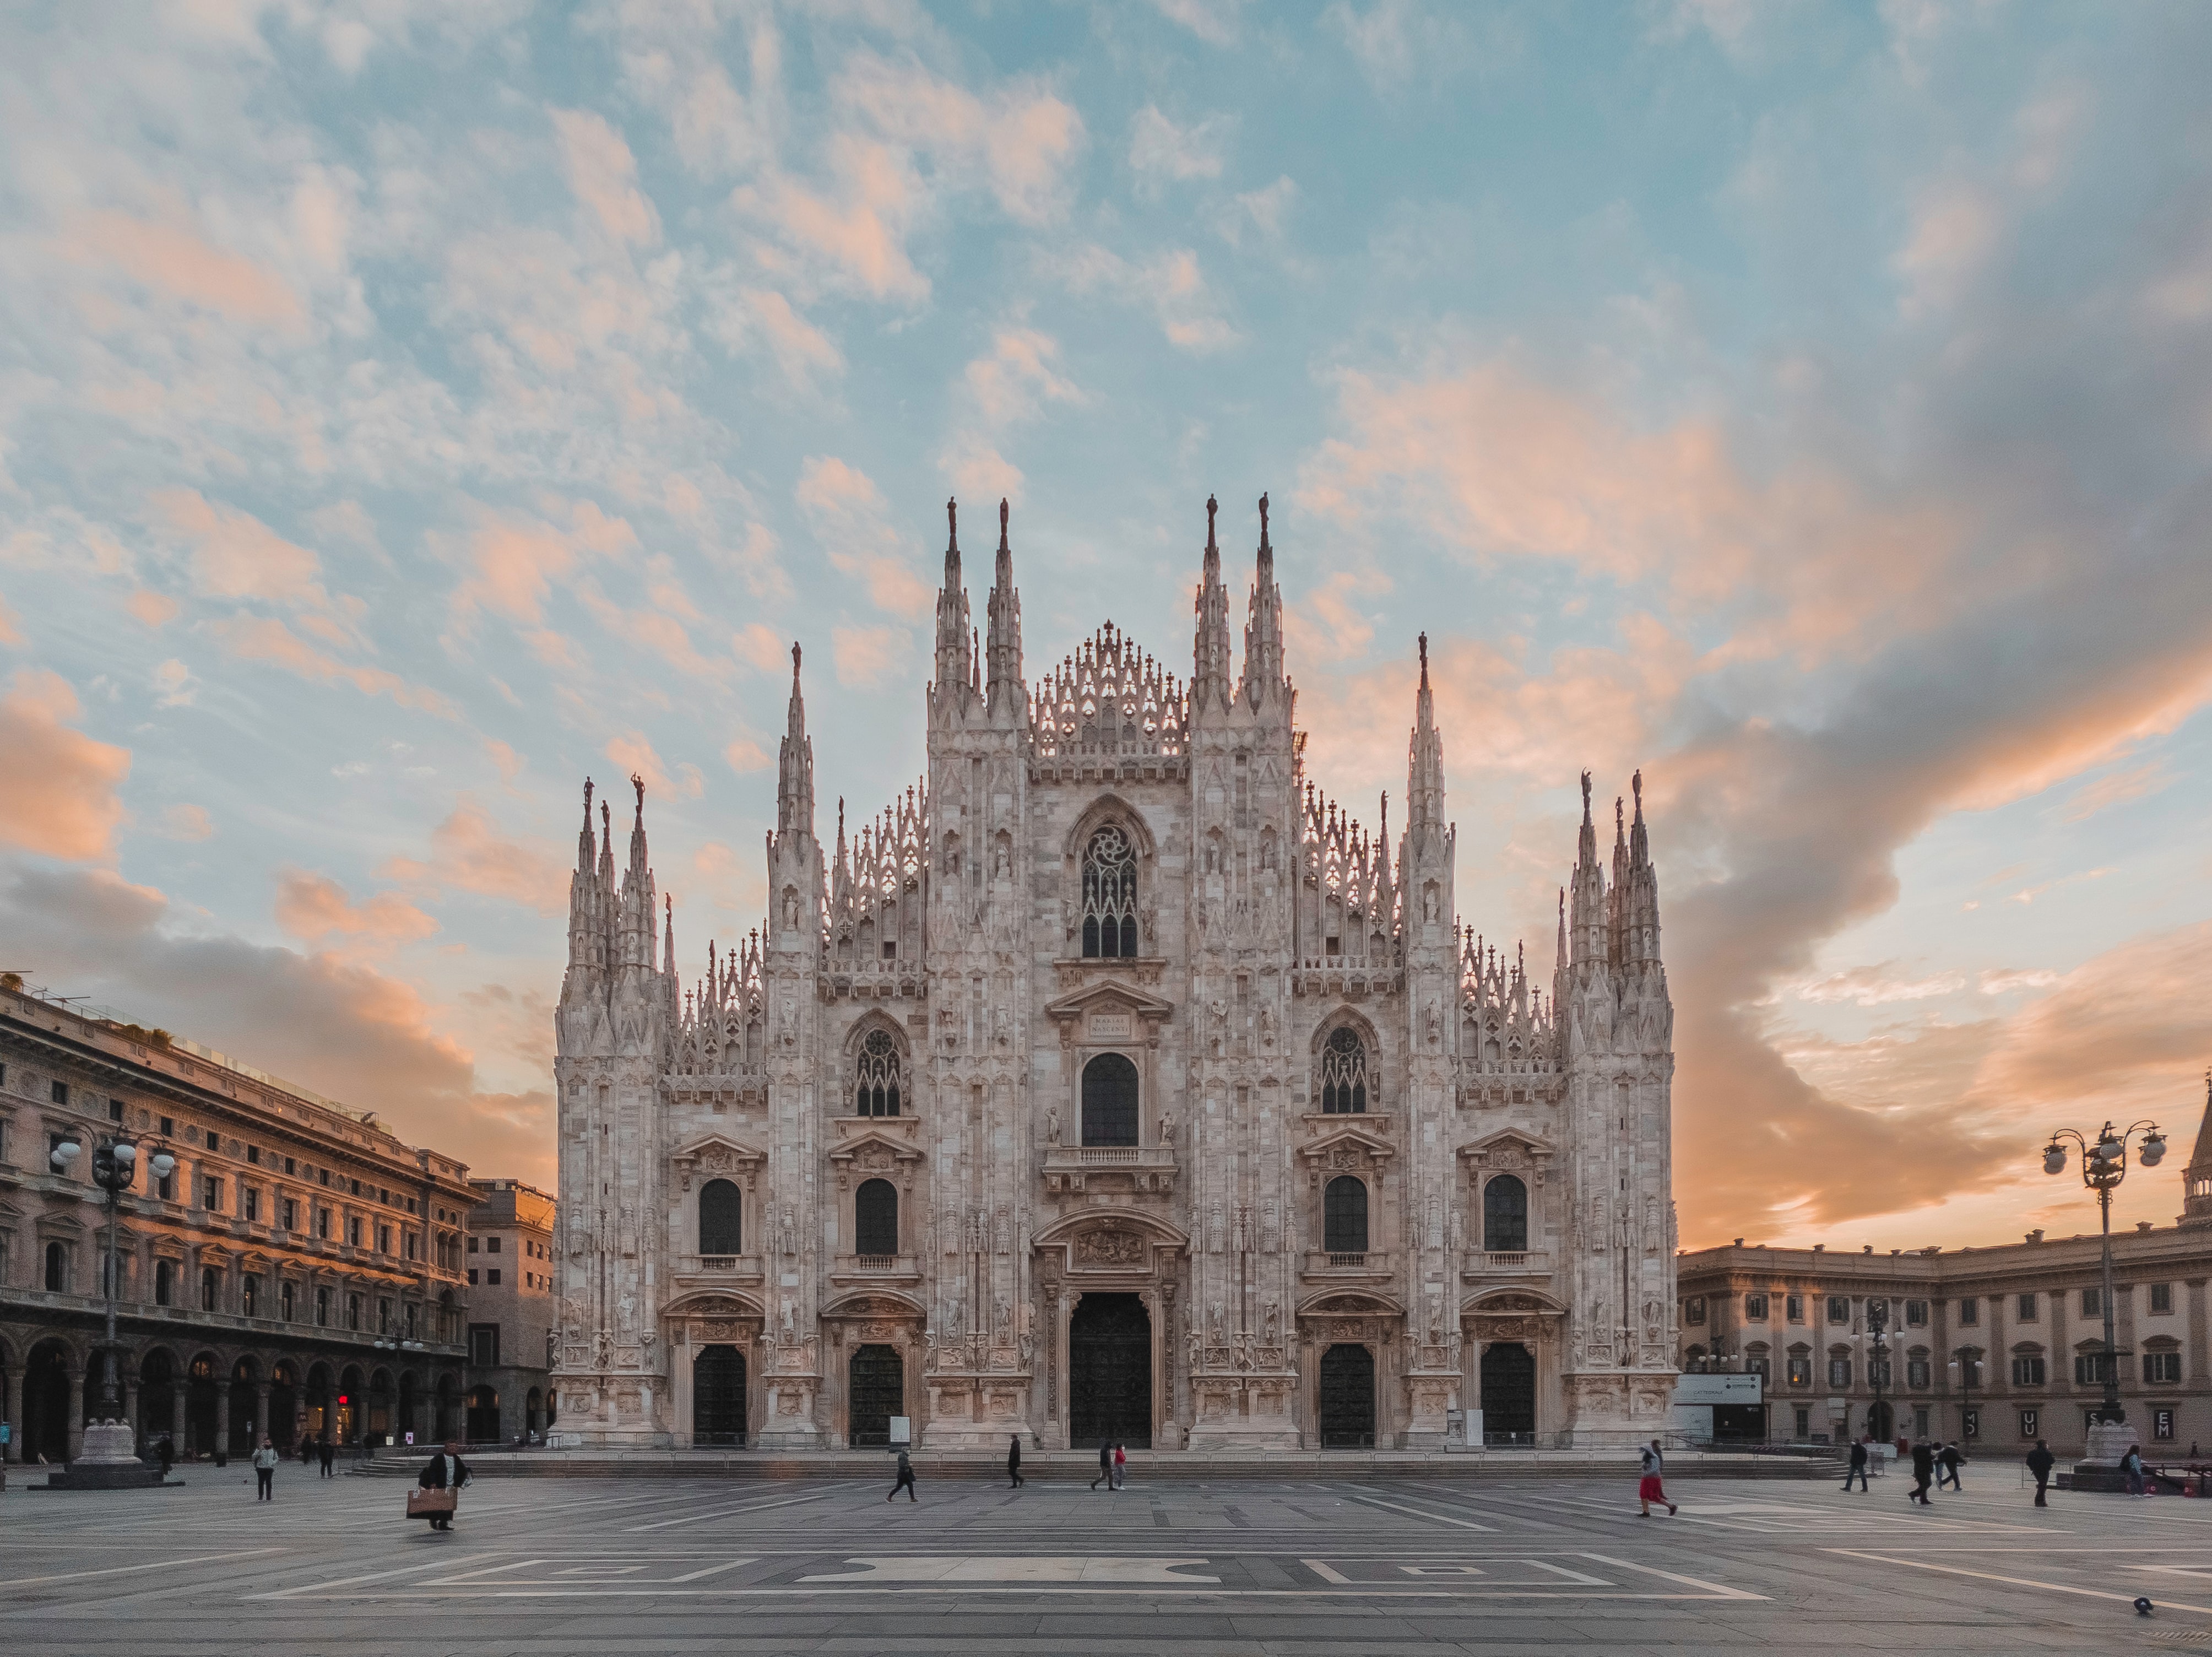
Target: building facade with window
[511,1300]
[1114,1083]
[298,1270]
[1995,1347]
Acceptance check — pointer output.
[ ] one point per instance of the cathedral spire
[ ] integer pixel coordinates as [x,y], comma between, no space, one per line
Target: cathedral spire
[1209,678]
[1587,919]
[956,667]
[1004,646]
[1263,631]
[2197,1210]
[795,785]
[1424,767]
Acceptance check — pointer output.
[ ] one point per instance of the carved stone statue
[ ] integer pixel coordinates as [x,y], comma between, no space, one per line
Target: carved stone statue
[1167,1128]
[1052,1127]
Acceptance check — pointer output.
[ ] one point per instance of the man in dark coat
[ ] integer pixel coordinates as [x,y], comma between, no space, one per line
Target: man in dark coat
[1923,1470]
[446,1472]
[1857,1469]
[2039,1462]
[905,1479]
[326,1453]
[1951,1460]
[166,1454]
[1105,1466]
[1014,1461]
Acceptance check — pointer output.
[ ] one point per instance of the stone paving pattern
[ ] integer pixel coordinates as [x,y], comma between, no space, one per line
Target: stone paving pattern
[1289,1565]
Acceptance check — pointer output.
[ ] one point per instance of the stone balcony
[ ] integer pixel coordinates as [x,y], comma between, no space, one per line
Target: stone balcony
[891,1269]
[1076,1168]
[717,1271]
[1326,1266]
[1492,1265]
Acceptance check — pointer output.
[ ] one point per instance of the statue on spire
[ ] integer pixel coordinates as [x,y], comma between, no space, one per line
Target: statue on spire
[1263,521]
[1002,523]
[951,524]
[1211,506]
[1586,796]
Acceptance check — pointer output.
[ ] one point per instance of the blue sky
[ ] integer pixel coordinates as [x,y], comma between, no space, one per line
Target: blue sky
[407,410]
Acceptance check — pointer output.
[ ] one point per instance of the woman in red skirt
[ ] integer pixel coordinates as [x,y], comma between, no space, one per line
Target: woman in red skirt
[1650,1488]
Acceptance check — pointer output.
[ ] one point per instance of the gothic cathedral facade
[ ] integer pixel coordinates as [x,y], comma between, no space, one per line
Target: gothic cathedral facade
[1113,1084]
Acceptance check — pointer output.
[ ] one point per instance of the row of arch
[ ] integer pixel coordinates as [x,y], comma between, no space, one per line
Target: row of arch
[1505,1214]
[208,1402]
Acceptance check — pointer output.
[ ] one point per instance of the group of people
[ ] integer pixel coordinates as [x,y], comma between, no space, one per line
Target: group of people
[1935,1463]
[1112,1469]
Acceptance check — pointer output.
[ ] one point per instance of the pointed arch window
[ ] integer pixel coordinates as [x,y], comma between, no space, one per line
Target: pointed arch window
[877,1091]
[1110,895]
[1344,1073]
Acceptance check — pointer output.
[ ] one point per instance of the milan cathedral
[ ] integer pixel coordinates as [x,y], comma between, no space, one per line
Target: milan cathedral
[1113,1084]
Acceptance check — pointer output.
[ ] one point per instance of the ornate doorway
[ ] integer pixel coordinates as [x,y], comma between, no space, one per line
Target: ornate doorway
[1509,1393]
[876,1392]
[718,1396]
[1109,1372]
[1348,1398]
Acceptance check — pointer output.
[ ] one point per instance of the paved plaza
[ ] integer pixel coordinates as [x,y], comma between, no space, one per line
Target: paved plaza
[1493,1565]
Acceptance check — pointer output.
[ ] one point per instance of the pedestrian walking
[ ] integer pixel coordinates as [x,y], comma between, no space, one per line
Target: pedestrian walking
[1923,1470]
[326,1453]
[264,1470]
[1857,1469]
[1651,1487]
[2039,1462]
[166,1454]
[1121,1467]
[444,1471]
[905,1480]
[1950,1459]
[1014,1462]
[2131,1465]
[1105,1465]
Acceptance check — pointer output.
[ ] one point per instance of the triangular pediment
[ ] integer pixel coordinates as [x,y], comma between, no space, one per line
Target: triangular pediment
[1351,1136]
[1341,1303]
[1109,996]
[869,1143]
[1509,1147]
[718,1148]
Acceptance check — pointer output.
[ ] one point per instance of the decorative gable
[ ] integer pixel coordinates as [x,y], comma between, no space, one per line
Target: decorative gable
[714,1155]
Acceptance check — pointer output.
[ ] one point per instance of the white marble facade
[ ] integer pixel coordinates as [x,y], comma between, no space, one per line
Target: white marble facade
[1114,1082]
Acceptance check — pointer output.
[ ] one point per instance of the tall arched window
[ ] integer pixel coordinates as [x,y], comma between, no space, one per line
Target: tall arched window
[877,1091]
[1344,1216]
[210,1285]
[1505,1215]
[1109,894]
[164,1282]
[721,1215]
[875,1218]
[1344,1073]
[1109,1101]
[57,1268]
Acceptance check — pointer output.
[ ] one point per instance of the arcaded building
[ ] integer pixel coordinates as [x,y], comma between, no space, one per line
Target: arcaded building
[297,1272]
[1114,1083]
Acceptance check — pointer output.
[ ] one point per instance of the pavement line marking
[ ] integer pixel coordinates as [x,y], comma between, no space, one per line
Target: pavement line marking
[725,1513]
[453,1602]
[1716,1589]
[2015,1581]
[1325,1572]
[1441,1519]
[300,1590]
[120,1570]
[727,1565]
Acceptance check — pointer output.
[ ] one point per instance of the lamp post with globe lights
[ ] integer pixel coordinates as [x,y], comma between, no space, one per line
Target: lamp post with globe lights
[114,1168]
[2104,1164]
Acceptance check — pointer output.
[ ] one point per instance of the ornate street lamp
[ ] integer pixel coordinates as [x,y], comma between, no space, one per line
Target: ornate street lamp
[1877,1318]
[114,1164]
[2104,1164]
[1963,1365]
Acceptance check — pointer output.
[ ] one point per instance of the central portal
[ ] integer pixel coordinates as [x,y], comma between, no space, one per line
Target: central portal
[1109,1372]
[877,1383]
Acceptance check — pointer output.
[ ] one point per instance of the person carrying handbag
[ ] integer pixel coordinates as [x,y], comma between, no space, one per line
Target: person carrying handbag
[446,1472]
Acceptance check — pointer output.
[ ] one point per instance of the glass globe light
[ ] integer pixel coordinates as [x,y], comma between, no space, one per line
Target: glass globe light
[2054,1158]
[2154,1149]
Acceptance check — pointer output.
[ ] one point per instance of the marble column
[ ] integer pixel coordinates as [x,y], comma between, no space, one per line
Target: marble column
[12,1379]
[261,1421]
[130,1407]
[221,1446]
[177,1416]
[75,1411]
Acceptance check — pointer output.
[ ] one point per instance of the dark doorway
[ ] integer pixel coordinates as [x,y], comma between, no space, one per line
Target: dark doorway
[484,1416]
[1509,1394]
[157,1394]
[199,1408]
[45,1405]
[1109,1100]
[284,1425]
[876,1391]
[1109,1372]
[1348,1398]
[718,1396]
[1881,1421]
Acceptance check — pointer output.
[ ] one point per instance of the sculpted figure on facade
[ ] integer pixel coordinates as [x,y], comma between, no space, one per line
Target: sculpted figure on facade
[1186,1035]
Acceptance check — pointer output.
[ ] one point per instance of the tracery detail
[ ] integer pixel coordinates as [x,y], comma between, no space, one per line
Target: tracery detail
[1109,894]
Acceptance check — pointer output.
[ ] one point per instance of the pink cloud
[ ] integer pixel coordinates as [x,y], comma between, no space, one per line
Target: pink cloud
[603,174]
[236,556]
[174,260]
[469,852]
[851,519]
[61,800]
[265,639]
[311,907]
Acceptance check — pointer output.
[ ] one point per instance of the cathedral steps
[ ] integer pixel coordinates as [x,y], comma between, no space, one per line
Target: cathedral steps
[1178,1466]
